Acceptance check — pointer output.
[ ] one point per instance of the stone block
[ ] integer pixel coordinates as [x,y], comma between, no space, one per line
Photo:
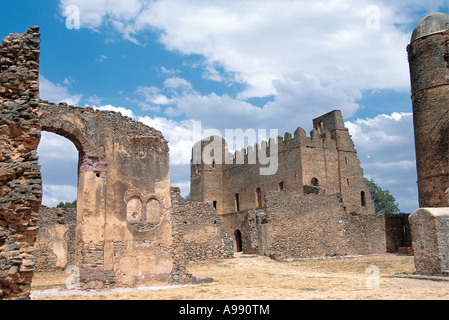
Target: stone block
[430,236]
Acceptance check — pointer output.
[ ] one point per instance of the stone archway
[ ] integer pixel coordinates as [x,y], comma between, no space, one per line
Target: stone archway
[69,122]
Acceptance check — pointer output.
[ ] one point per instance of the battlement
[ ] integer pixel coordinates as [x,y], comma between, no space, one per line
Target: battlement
[214,150]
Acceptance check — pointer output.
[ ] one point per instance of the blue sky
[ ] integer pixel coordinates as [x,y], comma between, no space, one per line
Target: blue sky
[230,64]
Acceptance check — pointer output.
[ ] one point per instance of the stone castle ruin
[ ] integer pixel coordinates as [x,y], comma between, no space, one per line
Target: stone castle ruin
[316,204]
[131,228]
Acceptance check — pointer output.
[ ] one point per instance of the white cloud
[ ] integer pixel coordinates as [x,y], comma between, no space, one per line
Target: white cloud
[152,95]
[385,147]
[311,56]
[180,135]
[265,41]
[169,71]
[53,146]
[56,92]
[384,132]
[175,83]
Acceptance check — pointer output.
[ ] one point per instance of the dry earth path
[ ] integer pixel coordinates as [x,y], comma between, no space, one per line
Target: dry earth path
[247,277]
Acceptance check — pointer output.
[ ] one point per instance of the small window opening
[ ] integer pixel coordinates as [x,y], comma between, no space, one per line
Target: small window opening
[363,198]
[214,204]
[315,182]
[213,164]
[281,186]
[259,197]
[321,127]
[237,202]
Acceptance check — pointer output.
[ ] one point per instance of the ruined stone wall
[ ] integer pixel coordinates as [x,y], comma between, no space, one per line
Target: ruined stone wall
[20,179]
[55,243]
[20,197]
[317,225]
[19,61]
[314,225]
[200,230]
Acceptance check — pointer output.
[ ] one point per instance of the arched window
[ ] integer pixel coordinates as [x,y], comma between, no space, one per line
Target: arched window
[259,200]
[321,127]
[363,198]
[213,163]
[214,204]
[237,202]
[314,182]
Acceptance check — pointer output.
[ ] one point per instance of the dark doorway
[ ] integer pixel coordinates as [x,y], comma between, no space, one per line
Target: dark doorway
[238,241]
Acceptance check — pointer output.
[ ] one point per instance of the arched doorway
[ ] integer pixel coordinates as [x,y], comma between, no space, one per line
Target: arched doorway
[55,243]
[90,175]
[238,241]
[58,158]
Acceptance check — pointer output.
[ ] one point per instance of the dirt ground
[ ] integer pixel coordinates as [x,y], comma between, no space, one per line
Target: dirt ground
[246,277]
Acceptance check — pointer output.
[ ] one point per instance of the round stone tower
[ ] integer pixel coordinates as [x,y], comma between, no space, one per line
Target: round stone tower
[429,70]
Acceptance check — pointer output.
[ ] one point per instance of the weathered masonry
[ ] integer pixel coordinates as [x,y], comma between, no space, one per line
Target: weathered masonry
[124,233]
[428,53]
[316,204]
[324,162]
[429,71]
